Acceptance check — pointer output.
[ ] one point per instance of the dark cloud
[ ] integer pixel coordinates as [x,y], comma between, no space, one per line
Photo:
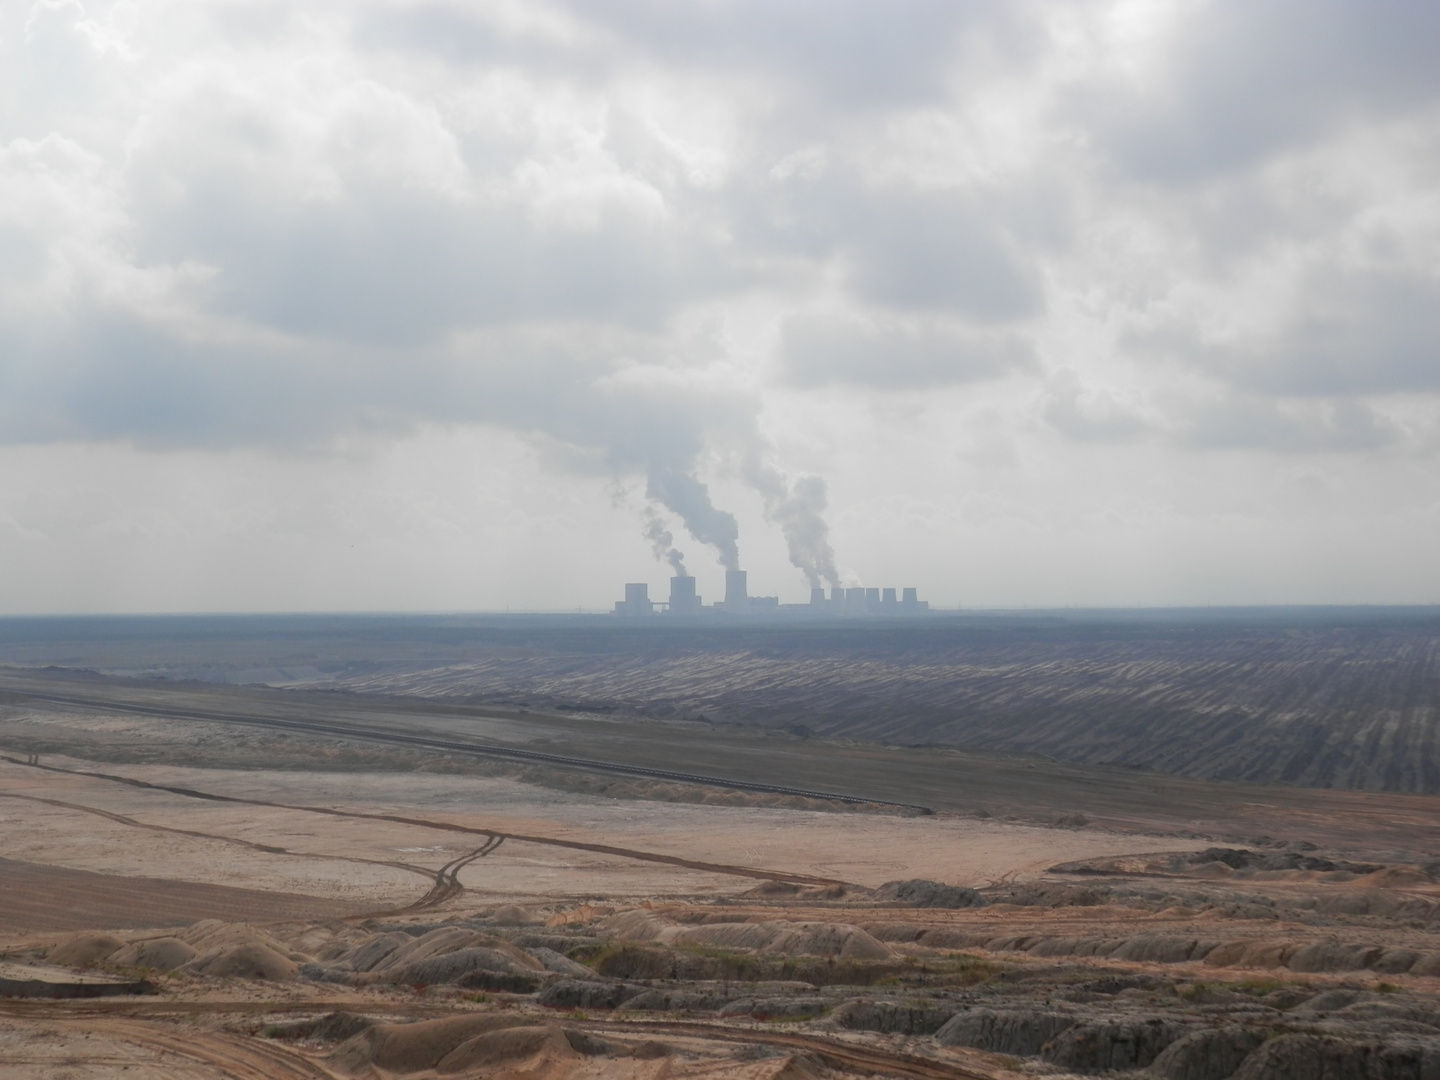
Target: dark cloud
[1356,333]
[1375,332]
[389,264]
[96,374]
[815,55]
[102,375]
[941,252]
[849,53]
[109,376]
[957,250]
[1239,82]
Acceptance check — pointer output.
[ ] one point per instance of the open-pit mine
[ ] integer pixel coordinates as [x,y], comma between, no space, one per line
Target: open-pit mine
[1187,847]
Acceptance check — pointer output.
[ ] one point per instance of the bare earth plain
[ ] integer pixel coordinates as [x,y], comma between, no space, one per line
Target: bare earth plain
[195,884]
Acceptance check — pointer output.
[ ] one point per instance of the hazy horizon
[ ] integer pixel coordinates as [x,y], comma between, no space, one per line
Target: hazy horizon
[706,621]
[423,306]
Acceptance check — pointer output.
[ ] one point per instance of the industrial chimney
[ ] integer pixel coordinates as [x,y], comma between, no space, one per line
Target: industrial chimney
[637,599]
[737,598]
[683,600]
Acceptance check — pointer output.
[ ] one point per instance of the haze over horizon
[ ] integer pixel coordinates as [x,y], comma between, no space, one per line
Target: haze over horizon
[420,306]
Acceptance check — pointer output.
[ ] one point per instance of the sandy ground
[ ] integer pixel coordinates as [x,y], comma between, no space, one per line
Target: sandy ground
[115,856]
[317,855]
[67,1052]
[324,855]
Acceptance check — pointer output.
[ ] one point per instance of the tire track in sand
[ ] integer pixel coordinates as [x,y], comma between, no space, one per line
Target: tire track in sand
[729,869]
[234,1056]
[268,849]
[445,885]
[247,1058]
[447,882]
[866,1059]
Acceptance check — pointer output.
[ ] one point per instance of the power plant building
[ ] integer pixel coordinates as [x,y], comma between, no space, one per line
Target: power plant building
[841,603]
[637,601]
[683,598]
[737,592]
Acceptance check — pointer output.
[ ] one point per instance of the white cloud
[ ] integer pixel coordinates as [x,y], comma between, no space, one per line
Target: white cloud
[929,251]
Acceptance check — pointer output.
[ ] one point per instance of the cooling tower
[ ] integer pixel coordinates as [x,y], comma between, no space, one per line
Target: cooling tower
[737,596]
[735,586]
[683,600]
[817,597]
[637,600]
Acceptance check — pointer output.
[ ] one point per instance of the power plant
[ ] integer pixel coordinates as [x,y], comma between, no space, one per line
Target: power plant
[842,603]
[683,598]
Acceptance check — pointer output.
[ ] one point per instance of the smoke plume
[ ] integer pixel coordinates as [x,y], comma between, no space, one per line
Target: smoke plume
[798,509]
[662,543]
[690,499]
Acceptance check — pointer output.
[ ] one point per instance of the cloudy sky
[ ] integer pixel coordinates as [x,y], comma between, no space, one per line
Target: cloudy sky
[372,304]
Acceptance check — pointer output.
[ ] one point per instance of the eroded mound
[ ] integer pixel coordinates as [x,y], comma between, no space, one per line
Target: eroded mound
[918,892]
[84,950]
[251,960]
[776,937]
[411,1048]
[158,954]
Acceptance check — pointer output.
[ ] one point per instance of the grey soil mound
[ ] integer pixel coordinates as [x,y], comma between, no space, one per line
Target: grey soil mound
[249,961]
[158,954]
[409,1048]
[786,939]
[1004,1031]
[776,937]
[504,1047]
[920,893]
[84,950]
[333,1027]
[892,1017]
[451,967]
[510,915]
[1111,1045]
[1207,1055]
[1322,1057]
[772,890]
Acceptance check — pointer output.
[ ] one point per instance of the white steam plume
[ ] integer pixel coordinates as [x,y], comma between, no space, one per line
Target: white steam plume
[662,542]
[798,509]
[690,499]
